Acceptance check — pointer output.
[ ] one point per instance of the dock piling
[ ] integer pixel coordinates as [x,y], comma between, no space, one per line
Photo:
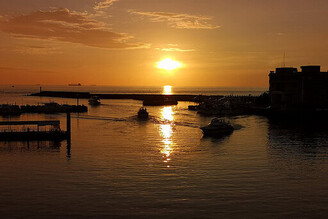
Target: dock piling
[68,121]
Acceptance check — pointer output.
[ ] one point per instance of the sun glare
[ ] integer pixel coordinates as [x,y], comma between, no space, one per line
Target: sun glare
[168,64]
[167,89]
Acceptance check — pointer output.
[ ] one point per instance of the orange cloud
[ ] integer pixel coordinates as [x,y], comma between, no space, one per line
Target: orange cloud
[104,4]
[63,25]
[181,21]
[37,50]
[175,50]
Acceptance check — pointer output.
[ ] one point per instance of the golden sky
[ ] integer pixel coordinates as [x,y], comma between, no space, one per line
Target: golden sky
[119,42]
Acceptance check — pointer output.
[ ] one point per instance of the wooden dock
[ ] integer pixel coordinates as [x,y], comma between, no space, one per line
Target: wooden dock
[33,132]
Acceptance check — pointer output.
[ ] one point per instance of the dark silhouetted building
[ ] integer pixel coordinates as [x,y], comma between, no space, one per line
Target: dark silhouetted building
[292,90]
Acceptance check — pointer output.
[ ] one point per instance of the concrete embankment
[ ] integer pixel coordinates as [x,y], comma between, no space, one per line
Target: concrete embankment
[87,95]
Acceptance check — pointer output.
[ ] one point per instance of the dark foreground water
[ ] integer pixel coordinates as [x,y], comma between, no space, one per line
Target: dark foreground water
[119,167]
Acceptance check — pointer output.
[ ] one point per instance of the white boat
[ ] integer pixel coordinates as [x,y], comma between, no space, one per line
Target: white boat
[94,101]
[217,127]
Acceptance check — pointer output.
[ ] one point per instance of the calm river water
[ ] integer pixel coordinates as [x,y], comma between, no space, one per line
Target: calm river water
[120,167]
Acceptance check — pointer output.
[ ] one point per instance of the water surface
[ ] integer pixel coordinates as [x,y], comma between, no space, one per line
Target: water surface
[163,168]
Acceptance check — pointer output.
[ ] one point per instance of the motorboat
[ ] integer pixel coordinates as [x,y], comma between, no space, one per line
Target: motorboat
[217,127]
[94,101]
[142,113]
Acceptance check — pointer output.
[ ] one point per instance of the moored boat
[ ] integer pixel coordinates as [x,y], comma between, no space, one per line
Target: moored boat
[192,107]
[8,109]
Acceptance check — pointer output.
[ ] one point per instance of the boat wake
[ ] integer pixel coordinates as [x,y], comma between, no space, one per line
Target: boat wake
[152,119]
[100,118]
[185,124]
[237,126]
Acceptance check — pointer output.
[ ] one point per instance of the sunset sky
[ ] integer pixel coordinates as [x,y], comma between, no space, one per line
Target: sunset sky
[120,42]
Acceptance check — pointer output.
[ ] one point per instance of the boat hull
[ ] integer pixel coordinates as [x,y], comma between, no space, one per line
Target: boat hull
[94,103]
[143,115]
[212,131]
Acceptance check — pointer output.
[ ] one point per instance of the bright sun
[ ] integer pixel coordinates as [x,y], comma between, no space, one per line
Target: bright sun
[168,64]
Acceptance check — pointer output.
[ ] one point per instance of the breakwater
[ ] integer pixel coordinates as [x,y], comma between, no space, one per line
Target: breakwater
[143,97]
[209,105]
[7,109]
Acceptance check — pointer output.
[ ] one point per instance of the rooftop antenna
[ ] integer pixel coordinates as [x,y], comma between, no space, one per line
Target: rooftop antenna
[284,59]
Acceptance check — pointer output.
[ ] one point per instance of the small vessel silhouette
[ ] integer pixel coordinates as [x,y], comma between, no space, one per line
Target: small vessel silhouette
[94,101]
[142,113]
[217,127]
[79,84]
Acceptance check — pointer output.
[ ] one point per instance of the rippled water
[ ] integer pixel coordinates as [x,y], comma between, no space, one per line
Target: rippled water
[164,168]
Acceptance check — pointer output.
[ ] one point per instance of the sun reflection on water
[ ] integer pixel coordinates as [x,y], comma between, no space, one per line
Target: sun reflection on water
[166,132]
[167,113]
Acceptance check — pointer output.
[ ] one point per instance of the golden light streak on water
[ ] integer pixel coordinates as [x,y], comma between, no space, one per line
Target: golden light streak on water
[167,113]
[166,132]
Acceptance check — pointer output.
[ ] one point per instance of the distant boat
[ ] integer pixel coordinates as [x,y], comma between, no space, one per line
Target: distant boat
[79,84]
[94,101]
[217,127]
[142,113]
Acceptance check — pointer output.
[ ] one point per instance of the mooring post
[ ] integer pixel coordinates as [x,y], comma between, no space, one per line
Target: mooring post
[77,99]
[68,120]
[68,148]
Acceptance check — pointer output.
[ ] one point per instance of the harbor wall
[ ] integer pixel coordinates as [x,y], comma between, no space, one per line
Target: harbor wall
[87,95]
